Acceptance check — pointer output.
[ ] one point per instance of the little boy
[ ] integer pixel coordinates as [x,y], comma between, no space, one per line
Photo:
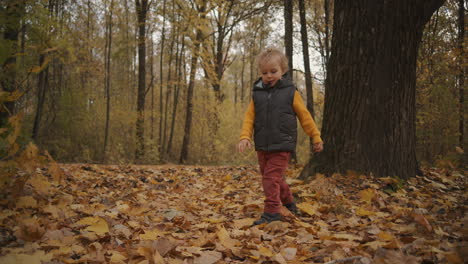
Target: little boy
[271,115]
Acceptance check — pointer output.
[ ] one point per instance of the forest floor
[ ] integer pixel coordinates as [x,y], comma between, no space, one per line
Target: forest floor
[83,213]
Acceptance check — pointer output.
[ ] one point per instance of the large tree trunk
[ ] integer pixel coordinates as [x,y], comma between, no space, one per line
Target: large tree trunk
[369,116]
[308,74]
[142,9]
[461,74]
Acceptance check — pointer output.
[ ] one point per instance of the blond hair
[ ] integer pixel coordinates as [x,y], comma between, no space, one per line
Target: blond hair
[272,52]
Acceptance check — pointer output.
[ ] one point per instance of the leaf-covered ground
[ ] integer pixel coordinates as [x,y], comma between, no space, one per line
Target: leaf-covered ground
[187,214]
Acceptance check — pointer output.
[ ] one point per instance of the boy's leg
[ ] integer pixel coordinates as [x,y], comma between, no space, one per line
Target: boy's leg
[286,195]
[272,179]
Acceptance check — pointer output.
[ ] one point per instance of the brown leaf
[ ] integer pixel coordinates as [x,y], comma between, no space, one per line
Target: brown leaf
[225,239]
[164,246]
[208,257]
[384,256]
[420,219]
[30,230]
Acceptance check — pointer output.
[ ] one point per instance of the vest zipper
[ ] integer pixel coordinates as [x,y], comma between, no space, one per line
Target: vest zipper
[268,118]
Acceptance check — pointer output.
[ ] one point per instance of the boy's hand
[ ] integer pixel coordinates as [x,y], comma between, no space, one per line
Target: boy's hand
[318,147]
[243,145]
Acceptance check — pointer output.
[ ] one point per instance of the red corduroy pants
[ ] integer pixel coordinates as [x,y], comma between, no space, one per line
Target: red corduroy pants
[272,166]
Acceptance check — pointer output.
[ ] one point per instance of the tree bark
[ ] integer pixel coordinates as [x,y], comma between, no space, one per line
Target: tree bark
[142,9]
[369,115]
[461,74]
[306,58]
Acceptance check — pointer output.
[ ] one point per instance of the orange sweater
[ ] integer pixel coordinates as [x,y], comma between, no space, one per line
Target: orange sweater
[306,120]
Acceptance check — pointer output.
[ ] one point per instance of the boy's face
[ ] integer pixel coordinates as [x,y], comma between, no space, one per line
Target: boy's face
[271,71]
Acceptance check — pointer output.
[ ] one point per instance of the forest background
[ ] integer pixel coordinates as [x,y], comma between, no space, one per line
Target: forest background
[83,70]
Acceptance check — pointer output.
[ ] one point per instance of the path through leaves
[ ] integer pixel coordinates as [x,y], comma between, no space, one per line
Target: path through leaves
[184,214]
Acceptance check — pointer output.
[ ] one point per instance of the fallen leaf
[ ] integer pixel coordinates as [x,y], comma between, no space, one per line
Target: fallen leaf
[97,225]
[151,234]
[241,223]
[117,257]
[265,252]
[26,202]
[308,208]
[385,236]
[37,257]
[420,219]
[367,195]
[363,212]
[289,253]
[40,184]
[225,239]
[384,256]
[208,257]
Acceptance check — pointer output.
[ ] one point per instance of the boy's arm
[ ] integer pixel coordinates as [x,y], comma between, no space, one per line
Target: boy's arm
[306,120]
[247,126]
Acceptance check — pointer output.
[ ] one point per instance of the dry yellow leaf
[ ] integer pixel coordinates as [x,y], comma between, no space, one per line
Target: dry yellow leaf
[265,252]
[214,220]
[157,258]
[26,202]
[308,208]
[40,184]
[117,257]
[97,225]
[347,237]
[363,212]
[385,236]
[375,244]
[225,239]
[240,223]
[151,234]
[367,195]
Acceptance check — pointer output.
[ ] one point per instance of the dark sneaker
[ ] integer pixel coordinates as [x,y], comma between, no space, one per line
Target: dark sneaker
[292,208]
[267,218]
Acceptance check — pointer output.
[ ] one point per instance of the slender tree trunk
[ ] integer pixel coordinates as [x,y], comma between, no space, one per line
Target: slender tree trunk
[180,77]
[306,58]
[242,77]
[142,9]
[369,116]
[170,88]
[461,74]
[107,82]
[288,34]
[161,76]
[152,89]
[42,82]
[193,69]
